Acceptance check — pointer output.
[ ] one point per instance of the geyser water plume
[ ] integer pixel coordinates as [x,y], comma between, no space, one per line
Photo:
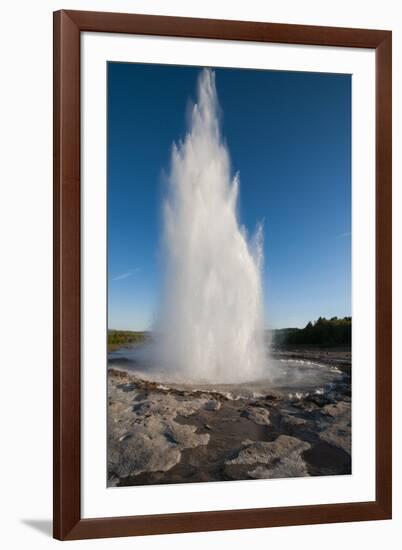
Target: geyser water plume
[211,319]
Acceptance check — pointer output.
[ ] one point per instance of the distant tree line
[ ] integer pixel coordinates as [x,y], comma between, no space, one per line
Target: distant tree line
[118,338]
[323,332]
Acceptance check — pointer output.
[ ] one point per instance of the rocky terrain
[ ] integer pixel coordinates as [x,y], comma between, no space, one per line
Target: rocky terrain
[170,434]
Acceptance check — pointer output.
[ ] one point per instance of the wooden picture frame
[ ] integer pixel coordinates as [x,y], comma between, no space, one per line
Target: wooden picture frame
[68,26]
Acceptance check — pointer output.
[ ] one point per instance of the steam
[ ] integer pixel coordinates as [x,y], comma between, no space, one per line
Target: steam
[211,318]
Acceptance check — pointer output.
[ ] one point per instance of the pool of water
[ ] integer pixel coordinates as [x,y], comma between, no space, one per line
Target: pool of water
[283,375]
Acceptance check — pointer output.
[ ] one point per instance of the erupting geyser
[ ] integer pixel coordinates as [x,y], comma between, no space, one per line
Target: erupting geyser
[211,318]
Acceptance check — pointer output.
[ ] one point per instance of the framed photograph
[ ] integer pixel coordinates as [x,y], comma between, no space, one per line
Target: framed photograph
[222,274]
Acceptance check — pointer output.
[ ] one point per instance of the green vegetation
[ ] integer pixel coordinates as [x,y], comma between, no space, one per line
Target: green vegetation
[323,332]
[120,338]
[279,336]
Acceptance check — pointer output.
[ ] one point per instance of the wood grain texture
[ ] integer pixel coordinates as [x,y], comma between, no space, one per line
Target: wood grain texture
[66,499]
[384,274]
[225,29]
[67,347]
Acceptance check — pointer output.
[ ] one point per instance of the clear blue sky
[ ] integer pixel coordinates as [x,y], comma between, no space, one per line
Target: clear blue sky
[289,136]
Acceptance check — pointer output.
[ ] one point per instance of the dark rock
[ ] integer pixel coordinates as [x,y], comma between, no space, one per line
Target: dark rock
[126,387]
[319,399]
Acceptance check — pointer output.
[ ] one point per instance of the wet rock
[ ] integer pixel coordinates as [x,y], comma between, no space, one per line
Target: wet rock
[140,396]
[142,453]
[271,397]
[143,435]
[273,459]
[126,387]
[112,481]
[212,405]
[125,436]
[326,459]
[291,424]
[259,415]
[303,405]
[319,399]
[176,433]
[171,438]
[337,431]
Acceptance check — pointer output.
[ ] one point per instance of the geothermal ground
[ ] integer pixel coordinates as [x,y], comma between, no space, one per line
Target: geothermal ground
[172,433]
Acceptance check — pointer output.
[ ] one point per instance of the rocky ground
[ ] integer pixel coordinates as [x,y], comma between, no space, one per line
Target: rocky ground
[159,434]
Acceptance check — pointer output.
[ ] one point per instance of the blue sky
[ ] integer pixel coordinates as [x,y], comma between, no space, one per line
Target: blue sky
[289,136]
